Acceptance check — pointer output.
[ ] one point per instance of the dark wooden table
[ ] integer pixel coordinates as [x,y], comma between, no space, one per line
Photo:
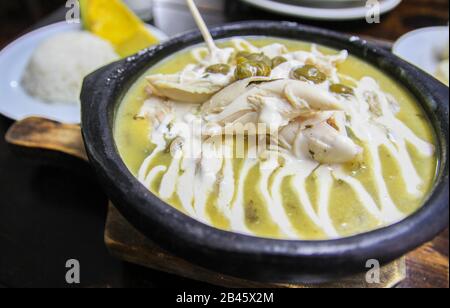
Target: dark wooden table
[52,210]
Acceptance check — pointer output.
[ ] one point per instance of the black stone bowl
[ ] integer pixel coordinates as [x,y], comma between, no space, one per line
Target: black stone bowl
[246,256]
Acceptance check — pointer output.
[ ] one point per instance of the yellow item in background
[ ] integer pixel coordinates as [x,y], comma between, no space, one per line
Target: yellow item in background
[113,21]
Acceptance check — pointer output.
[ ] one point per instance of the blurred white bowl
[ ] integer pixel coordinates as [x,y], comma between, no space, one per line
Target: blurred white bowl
[423,47]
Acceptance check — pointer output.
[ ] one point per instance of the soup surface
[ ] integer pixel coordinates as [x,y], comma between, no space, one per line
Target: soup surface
[279,139]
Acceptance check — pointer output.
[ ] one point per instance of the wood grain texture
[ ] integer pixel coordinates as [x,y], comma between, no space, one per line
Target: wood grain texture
[126,243]
[41,134]
[428,267]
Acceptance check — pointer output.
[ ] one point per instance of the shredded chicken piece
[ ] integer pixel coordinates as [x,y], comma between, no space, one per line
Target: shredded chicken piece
[292,109]
[195,91]
[329,146]
[155,109]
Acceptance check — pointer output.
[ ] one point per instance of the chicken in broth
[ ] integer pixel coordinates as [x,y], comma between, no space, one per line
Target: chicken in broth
[276,138]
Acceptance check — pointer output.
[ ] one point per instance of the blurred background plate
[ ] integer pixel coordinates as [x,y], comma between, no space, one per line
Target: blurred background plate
[341,10]
[423,47]
[15,103]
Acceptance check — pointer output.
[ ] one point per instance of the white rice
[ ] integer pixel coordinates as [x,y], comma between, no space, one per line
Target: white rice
[58,66]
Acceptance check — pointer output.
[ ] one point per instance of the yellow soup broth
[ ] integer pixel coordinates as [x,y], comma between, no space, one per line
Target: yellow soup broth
[346,211]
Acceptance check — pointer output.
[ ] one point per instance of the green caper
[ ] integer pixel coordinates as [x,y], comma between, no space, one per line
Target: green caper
[266,69]
[242,54]
[277,61]
[341,89]
[241,60]
[223,69]
[244,70]
[309,72]
[251,69]
[245,56]
[260,57]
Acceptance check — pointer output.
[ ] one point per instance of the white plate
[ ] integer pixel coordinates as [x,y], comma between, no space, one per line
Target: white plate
[15,103]
[351,13]
[423,47]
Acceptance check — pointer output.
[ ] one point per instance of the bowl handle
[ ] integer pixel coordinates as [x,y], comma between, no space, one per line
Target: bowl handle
[36,135]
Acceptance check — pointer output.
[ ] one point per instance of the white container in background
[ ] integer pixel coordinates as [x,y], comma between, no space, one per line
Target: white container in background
[142,8]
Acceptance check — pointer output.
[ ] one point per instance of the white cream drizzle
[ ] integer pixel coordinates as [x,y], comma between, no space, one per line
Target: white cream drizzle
[238,221]
[276,209]
[324,191]
[227,185]
[193,180]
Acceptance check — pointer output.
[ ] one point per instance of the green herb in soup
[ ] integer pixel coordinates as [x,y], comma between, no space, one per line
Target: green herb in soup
[278,139]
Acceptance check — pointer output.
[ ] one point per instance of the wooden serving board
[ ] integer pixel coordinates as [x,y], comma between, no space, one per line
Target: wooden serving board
[425,267]
[128,244]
